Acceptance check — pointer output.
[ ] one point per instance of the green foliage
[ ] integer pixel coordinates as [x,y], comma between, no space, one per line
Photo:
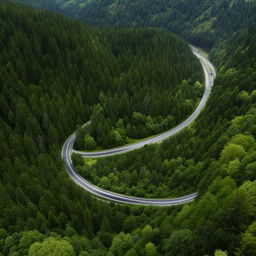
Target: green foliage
[248,243]
[179,243]
[232,152]
[51,247]
[121,244]
[150,249]
[77,159]
[220,253]
[155,69]
[201,22]
[221,169]
[89,142]
[250,189]
[28,239]
[56,73]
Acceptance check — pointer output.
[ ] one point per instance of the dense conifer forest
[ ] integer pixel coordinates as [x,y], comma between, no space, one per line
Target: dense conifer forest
[202,22]
[57,73]
[154,69]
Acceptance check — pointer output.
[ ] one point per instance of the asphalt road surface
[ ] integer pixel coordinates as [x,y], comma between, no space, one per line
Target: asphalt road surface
[67,150]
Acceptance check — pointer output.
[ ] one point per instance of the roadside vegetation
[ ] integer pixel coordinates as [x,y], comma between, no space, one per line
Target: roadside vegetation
[53,70]
[156,86]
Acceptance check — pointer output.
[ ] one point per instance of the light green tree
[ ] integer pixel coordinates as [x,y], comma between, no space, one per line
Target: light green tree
[51,247]
[121,244]
[245,141]
[105,182]
[28,238]
[248,243]
[220,253]
[89,142]
[138,118]
[244,96]
[147,233]
[150,249]
[250,189]
[231,152]
[233,167]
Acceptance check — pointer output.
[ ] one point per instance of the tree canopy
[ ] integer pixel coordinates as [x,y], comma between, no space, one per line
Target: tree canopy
[57,73]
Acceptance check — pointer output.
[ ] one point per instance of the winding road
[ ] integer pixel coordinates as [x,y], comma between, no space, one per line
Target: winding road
[67,150]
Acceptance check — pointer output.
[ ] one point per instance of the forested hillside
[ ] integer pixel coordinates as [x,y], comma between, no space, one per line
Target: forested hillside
[155,69]
[216,157]
[128,72]
[53,71]
[199,21]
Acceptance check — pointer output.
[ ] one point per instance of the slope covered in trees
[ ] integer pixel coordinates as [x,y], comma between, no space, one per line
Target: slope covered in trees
[175,163]
[215,156]
[128,72]
[199,21]
[154,69]
[43,56]
[52,71]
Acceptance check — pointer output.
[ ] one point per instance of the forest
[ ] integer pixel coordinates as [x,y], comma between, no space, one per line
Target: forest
[155,69]
[55,73]
[202,22]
